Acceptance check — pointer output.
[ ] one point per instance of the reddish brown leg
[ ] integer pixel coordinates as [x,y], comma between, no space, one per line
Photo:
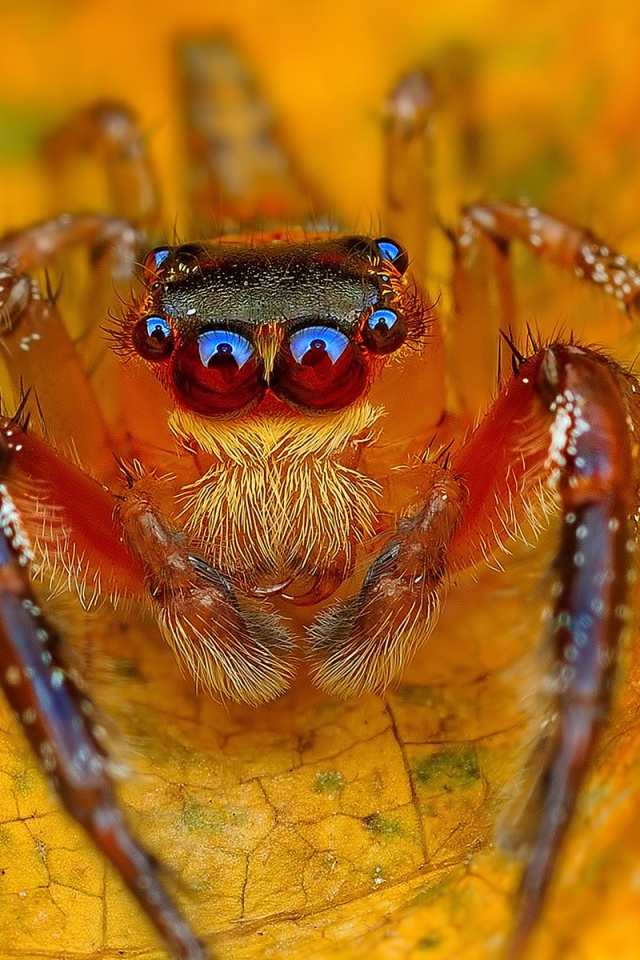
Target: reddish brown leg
[586,407]
[408,217]
[42,349]
[56,717]
[563,244]
[563,426]
[483,289]
[230,646]
[125,545]
[483,304]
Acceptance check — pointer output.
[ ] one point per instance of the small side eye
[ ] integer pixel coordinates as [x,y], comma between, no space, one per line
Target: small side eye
[393,252]
[153,338]
[153,263]
[384,331]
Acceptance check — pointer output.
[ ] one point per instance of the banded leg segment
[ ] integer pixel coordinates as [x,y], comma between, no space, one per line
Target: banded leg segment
[562,428]
[56,717]
[240,175]
[125,544]
[587,409]
[562,244]
[592,462]
[361,644]
[484,293]
[409,204]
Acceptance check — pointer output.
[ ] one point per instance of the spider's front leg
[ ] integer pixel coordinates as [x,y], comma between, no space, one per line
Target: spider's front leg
[56,716]
[581,410]
[562,426]
[122,544]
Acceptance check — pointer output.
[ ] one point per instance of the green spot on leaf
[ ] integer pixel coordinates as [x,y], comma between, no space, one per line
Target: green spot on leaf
[383,826]
[419,695]
[328,781]
[198,816]
[429,942]
[453,767]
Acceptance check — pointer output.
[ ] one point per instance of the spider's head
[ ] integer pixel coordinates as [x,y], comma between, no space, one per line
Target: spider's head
[304,325]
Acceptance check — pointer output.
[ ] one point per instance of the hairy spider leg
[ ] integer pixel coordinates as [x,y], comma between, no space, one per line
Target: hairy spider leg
[55,714]
[104,406]
[562,426]
[483,290]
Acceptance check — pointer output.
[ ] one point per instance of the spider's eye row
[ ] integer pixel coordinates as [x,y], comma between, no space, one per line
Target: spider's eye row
[153,338]
[393,252]
[384,331]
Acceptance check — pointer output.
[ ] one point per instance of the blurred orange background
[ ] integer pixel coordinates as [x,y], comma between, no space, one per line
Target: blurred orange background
[551,73]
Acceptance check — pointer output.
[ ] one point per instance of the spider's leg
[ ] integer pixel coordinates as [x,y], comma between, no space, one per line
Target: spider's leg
[85,394]
[109,135]
[484,296]
[41,348]
[561,428]
[123,544]
[56,717]
[484,303]
[360,645]
[408,217]
[240,175]
[564,421]
[563,244]
[230,645]
[409,142]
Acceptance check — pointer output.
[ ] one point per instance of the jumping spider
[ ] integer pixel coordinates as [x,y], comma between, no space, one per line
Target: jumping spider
[259,482]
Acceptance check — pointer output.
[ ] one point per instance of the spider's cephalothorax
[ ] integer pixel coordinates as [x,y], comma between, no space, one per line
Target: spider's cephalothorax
[259,470]
[268,351]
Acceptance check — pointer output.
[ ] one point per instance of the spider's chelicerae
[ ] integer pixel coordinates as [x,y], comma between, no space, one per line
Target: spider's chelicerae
[251,487]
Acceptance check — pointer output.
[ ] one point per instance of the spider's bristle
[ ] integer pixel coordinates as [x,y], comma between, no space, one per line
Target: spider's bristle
[517,358]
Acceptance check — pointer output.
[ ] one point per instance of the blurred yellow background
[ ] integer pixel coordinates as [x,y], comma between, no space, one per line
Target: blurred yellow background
[551,74]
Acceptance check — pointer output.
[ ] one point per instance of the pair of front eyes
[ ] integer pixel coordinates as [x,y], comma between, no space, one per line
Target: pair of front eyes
[220,371]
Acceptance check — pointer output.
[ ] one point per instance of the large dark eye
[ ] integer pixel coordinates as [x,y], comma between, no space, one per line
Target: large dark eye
[319,368]
[153,338]
[384,331]
[218,373]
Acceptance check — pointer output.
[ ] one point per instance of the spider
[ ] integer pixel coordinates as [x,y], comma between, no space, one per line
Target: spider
[252,493]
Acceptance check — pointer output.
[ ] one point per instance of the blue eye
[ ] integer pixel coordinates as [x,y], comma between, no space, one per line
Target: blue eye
[158,328]
[153,263]
[393,252]
[224,344]
[313,342]
[384,331]
[383,321]
[153,337]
